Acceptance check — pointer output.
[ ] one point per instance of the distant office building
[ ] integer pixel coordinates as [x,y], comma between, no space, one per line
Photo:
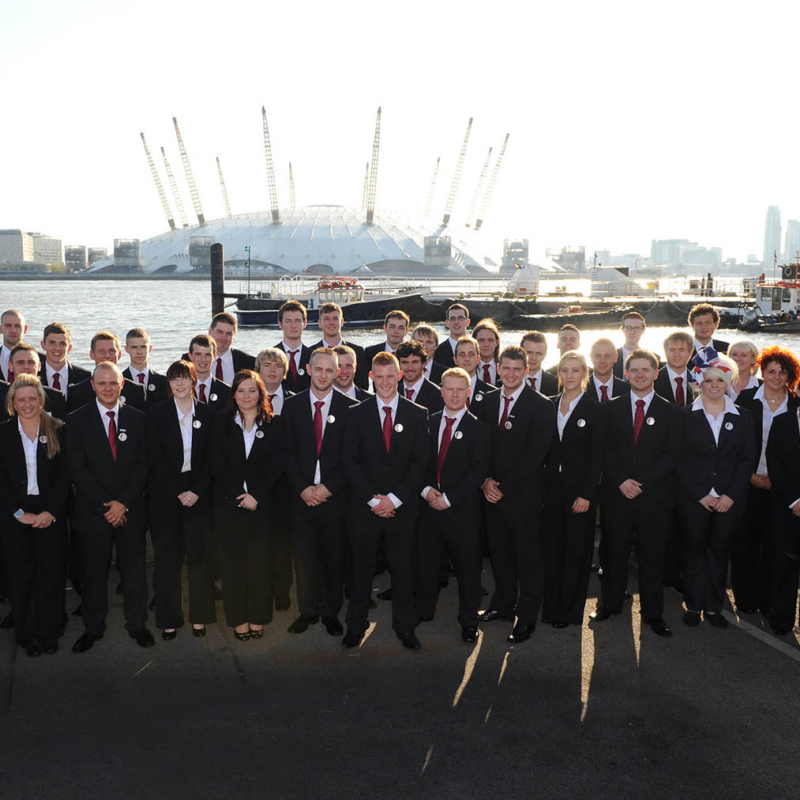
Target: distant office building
[16,246]
[75,257]
[46,249]
[126,255]
[515,256]
[95,254]
[791,248]
[772,237]
[706,257]
[667,252]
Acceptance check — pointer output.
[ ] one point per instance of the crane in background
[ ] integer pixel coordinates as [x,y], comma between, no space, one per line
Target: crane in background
[187,168]
[160,188]
[451,198]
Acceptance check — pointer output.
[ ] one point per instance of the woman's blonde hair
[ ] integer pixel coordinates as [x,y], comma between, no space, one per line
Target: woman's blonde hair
[48,426]
[574,355]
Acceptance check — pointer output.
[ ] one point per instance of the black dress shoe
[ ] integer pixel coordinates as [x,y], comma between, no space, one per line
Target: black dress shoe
[198,632]
[659,627]
[521,633]
[352,639]
[143,637]
[282,602]
[716,620]
[490,615]
[746,609]
[409,640]
[242,637]
[691,618]
[152,604]
[547,621]
[167,636]
[601,614]
[85,642]
[33,649]
[7,621]
[333,626]
[560,624]
[256,633]
[48,648]
[469,633]
[386,594]
[302,624]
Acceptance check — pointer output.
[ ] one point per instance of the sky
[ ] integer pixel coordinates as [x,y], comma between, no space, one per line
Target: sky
[628,121]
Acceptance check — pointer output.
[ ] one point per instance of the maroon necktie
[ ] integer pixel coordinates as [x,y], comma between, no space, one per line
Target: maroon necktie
[638,420]
[504,418]
[57,381]
[219,372]
[202,397]
[318,424]
[10,373]
[140,378]
[487,374]
[409,393]
[680,397]
[443,446]
[112,434]
[532,382]
[271,397]
[604,394]
[387,427]
[292,365]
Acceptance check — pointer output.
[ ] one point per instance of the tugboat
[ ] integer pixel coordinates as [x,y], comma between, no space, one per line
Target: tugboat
[777,303]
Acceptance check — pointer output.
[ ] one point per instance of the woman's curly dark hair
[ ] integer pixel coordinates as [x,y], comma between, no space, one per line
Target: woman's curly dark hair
[787,360]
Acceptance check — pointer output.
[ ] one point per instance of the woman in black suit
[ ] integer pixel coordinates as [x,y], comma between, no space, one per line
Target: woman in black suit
[712,481]
[249,454]
[752,548]
[572,477]
[179,501]
[34,483]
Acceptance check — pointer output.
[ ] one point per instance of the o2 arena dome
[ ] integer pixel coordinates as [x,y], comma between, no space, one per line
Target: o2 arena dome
[322,239]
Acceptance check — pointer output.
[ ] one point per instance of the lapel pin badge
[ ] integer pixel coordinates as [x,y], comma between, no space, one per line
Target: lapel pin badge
[458,435]
[151,387]
[728,426]
[259,434]
[301,371]
[650,421]
[122,436]
[508,426]
[398,428]
[331,419]
[581,423]
[196,423]
[43,439]
[213,397]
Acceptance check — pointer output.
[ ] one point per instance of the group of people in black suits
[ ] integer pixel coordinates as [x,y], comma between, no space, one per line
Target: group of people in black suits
[243,468]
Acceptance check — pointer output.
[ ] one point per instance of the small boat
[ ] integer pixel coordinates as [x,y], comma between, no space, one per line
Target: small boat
[584,319]
[776,304]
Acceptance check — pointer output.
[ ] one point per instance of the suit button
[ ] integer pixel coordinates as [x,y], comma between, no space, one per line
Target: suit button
[713,474]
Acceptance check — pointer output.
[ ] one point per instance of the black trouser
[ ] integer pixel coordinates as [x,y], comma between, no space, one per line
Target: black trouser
[752,552]
[515,548]
[243,541]
[318,536]
[785,569]
[462,537]
[364,536]
[673,555]
[280,541]
[707,536]
[179,532]
[567,545]
[36,563]
[649,525]
[96,548]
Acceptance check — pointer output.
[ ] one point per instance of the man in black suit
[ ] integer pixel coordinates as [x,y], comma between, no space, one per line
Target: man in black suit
[672,382]
[395,326]
[704,321]
[569,338]
[414,385]
[535,346]
[105,348]
[108,460]
[345,379]
[272,365]
[24,360]
[426,335]
[14,328]
[386,449]
[458,461]
[633,327]
[604,385]
[331,320]
[292,320]
[56,371]
[315,424]
[227,360]
[456,321]
[643,446]
[487,335]
[138,347]
[202,352]
[521,422]
[467,358]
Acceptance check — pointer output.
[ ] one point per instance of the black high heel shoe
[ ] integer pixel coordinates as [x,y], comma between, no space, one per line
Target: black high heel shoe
[256,633]
[199,632]
[242,637]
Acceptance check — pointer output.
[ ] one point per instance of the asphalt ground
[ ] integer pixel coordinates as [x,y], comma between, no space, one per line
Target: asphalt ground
[603,711]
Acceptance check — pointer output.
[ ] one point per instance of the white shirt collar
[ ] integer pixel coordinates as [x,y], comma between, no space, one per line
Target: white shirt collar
[181,415]
[326,401]
[647,400]
[730,407]
[392,404]
[515,396]
[608,384]
[572,404]
[457,417]
[672,374]
[286,347]
[414,386]
[351,392]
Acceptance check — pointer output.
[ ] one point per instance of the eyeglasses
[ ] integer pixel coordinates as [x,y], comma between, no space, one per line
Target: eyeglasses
[180,379]
[458,319]
[633,328]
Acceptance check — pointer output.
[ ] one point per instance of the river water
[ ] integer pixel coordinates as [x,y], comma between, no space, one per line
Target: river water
[174,311]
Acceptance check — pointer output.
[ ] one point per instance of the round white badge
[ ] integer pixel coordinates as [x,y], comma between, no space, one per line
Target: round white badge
[728,426]
[151,387]
[331,419]
[259,434]
[650,421]
[213,397]
[43,439]
[122,436]
[301,372]
[581,423]
[478,398]
[398,428]
[122,400]
[508,426]
[457,435]
[196,423]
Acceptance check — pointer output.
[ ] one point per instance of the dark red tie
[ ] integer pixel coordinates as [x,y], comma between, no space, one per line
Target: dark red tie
[112,434]
[57,381]
[219,372]
[504,418]
[487,374]
[444,445]
[10,373]
[532,382]
[318,424]
[409,393]
[140,378]
[271,397]
[202,397]
[387,427]
[638,420]
[604,394]
[680,397]
[292,365]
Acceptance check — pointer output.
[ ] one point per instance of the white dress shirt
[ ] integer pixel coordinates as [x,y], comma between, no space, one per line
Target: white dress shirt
[609,384]
[351,392]
[685,376]
[415,387]
[227,367]
[30,448]
[325,410]
[537,377]
[63,376]
[298,351]
[514,397]
[395,401]
[647,400]
[493,373]
[766,423]
[104,415]
[561,418]
[249,438]
[5,353]
[185,422]
[442,425]
[277,401]
[715,423]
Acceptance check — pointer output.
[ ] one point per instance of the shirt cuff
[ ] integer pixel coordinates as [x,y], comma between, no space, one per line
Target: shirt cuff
[374,502]
[396,501]
[792,505]
[444,497]
[425,492]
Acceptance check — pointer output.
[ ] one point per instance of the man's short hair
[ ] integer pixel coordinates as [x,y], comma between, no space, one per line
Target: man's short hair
[204,340]
[16,312]
[23,346]
[137,333]
[602,342]
[397,314]
[384,359]
[292,305]
[633,315]
[646,354]
[225,317]
[345,350]
[701,309]
[457,307]
[679,336]
[533,336]
[330,308]
[426,330]
[457,372]
[568,326]
[58,328]
[411,348]
[274,355]
[104,336]
[323,351]
[108,365]
[467,339]
[514,353]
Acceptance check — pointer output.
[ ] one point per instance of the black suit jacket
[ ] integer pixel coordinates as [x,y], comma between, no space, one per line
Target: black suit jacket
[301,447]
[429,396]
[619,367]
[575,460]
[720,345]
[783,459]
[362,375]
[165,451]
[549,383]
[98,477]
[437,370]
[82,393]
[231,467]
[303,380]
[725,466]
[619,388]
[444,354]
[74,374]
[370,353]
[465,467]
[651,460]
[157,387]
[518,453]
[663,386]
[54,402]
[52,476]
[747,400]
[370,468]
[478,395]
[217,398]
